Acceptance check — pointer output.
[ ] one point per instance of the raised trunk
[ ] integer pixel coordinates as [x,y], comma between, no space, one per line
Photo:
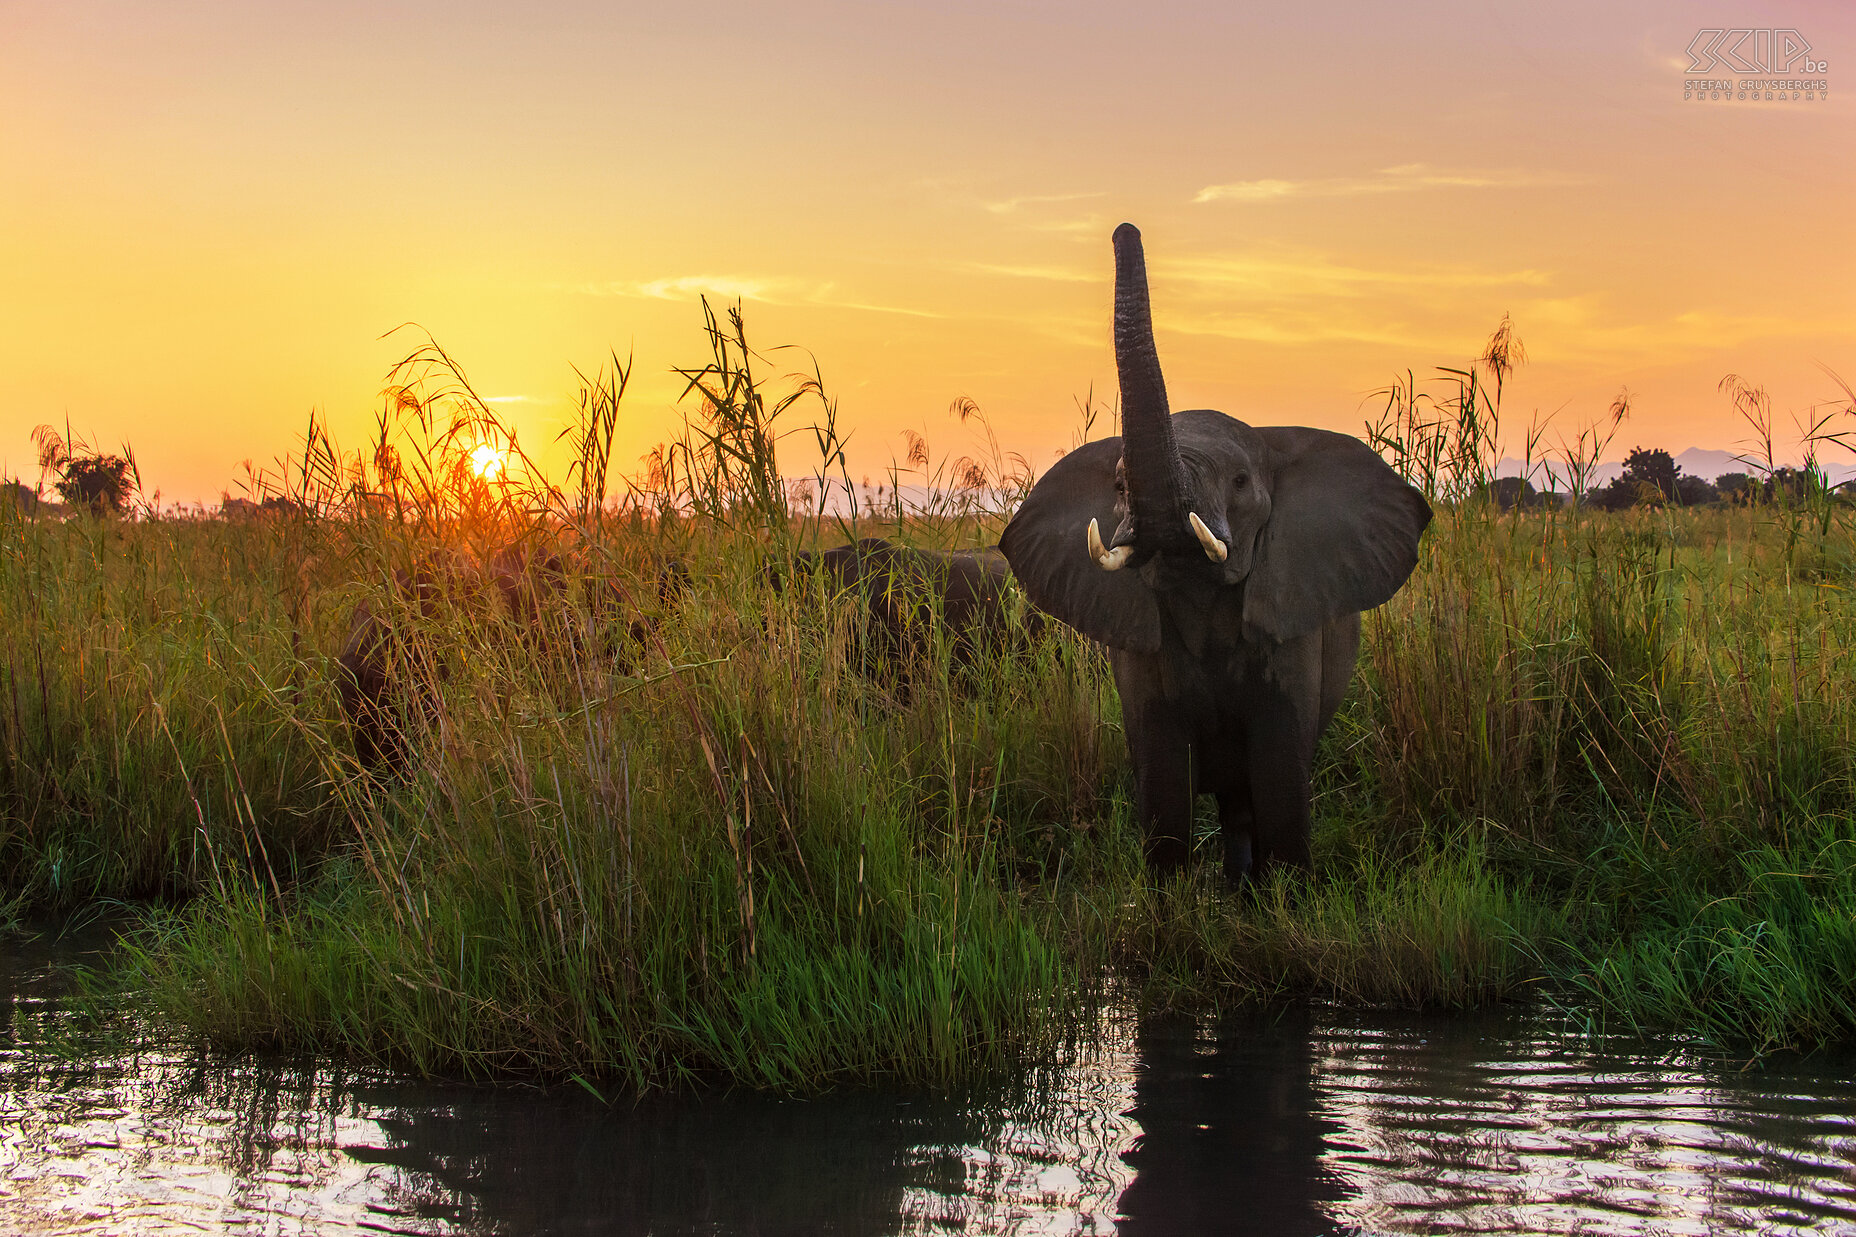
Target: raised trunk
[1150,457]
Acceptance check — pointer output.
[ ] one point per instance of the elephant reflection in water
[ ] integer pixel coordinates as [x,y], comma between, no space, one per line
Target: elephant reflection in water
[506,1160]
[1232,1139]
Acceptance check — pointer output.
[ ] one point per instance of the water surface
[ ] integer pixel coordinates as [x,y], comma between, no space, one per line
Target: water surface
[1304,1120]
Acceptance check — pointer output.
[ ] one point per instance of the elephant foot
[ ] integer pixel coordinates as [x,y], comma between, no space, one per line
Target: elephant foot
[1267,870]
[1237,859]
[1166,856]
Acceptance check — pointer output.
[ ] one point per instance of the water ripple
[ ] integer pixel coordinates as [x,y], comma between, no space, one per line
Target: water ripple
[1289,1121]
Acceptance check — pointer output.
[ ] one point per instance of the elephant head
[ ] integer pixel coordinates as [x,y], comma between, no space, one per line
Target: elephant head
[1310,525]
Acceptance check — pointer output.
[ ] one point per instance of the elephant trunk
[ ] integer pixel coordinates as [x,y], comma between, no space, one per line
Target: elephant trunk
[1151,465]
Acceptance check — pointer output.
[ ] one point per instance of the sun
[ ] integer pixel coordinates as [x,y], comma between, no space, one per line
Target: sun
[487,461]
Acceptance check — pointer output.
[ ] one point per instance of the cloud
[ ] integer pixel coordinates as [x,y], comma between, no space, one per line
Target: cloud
[1020,211]
[1324,326]
[1317,276]
[1406,178]
[1056,274]
[768,290]
[1586,331]
[1253,191]
[682,287]
[1092,226]
[1006,206]
[1292,298]
[1592,330]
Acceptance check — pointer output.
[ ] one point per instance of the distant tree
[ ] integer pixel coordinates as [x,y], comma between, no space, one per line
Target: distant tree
[1795,484]
[1654,472]
[1736,487]
[1651,477]
[1787,484]
[1617,496]
[100,484]
[21,495]
[1695,492]
[1512,492]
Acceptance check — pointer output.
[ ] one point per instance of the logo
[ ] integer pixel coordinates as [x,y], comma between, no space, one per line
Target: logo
[1783,55]
[1745,50]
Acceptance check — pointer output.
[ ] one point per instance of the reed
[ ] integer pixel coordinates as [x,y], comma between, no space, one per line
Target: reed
[1606,756]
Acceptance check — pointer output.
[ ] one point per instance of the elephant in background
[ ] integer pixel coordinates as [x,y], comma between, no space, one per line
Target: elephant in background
[388,673]
[1229,591]
[626,642]
[387,677]
[536,592]
[907,595]
[533,586]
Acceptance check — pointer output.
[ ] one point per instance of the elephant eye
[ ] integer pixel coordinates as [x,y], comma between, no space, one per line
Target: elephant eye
[1241,480]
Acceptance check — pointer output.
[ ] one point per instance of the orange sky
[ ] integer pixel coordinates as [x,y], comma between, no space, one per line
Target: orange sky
[210,212]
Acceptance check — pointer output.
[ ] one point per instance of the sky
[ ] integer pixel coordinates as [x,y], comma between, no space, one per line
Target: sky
[213,216]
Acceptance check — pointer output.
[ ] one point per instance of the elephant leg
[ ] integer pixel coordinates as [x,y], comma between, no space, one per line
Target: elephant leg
[1280,780]
[1162,758]
[1163,796]
[1284,821]
[1160,749]
[1237,824]
[1280,743]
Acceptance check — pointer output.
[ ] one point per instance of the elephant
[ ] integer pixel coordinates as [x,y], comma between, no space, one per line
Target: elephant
[533,586]
[906,592]
[627,643]
[387,677]
[535,590]
[1228,595]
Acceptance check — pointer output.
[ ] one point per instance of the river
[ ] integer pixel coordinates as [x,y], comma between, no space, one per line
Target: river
[1293,1120]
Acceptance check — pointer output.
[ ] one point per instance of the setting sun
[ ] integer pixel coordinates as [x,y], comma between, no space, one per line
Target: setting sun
[488,462]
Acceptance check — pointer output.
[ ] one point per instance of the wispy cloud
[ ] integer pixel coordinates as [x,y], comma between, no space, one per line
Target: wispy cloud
[682,287]
[1406,178]
[1299,329]
[1091,225]
[1056,274]
[764,290]
[1317,276]
[1591,330]
[1006,206]
[1594,329]
[1301,298]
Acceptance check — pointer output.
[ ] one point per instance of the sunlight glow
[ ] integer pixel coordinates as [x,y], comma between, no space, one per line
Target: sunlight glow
[488,462]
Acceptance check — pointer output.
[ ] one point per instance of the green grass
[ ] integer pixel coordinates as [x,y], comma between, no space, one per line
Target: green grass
[1605,757]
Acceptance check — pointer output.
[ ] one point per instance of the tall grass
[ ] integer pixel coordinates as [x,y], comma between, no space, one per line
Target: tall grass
[1605,755]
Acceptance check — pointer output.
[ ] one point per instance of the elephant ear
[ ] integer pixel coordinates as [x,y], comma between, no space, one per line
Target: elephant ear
[1047,544]
[1342,535]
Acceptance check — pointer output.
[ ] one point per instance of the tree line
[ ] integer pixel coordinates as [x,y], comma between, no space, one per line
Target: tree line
[1652,478]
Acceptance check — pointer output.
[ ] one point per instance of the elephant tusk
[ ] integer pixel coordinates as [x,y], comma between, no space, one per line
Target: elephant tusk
[1107,559]
[1214,548]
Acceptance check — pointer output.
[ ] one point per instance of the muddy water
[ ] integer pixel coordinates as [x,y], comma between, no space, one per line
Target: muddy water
[1298,1121]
